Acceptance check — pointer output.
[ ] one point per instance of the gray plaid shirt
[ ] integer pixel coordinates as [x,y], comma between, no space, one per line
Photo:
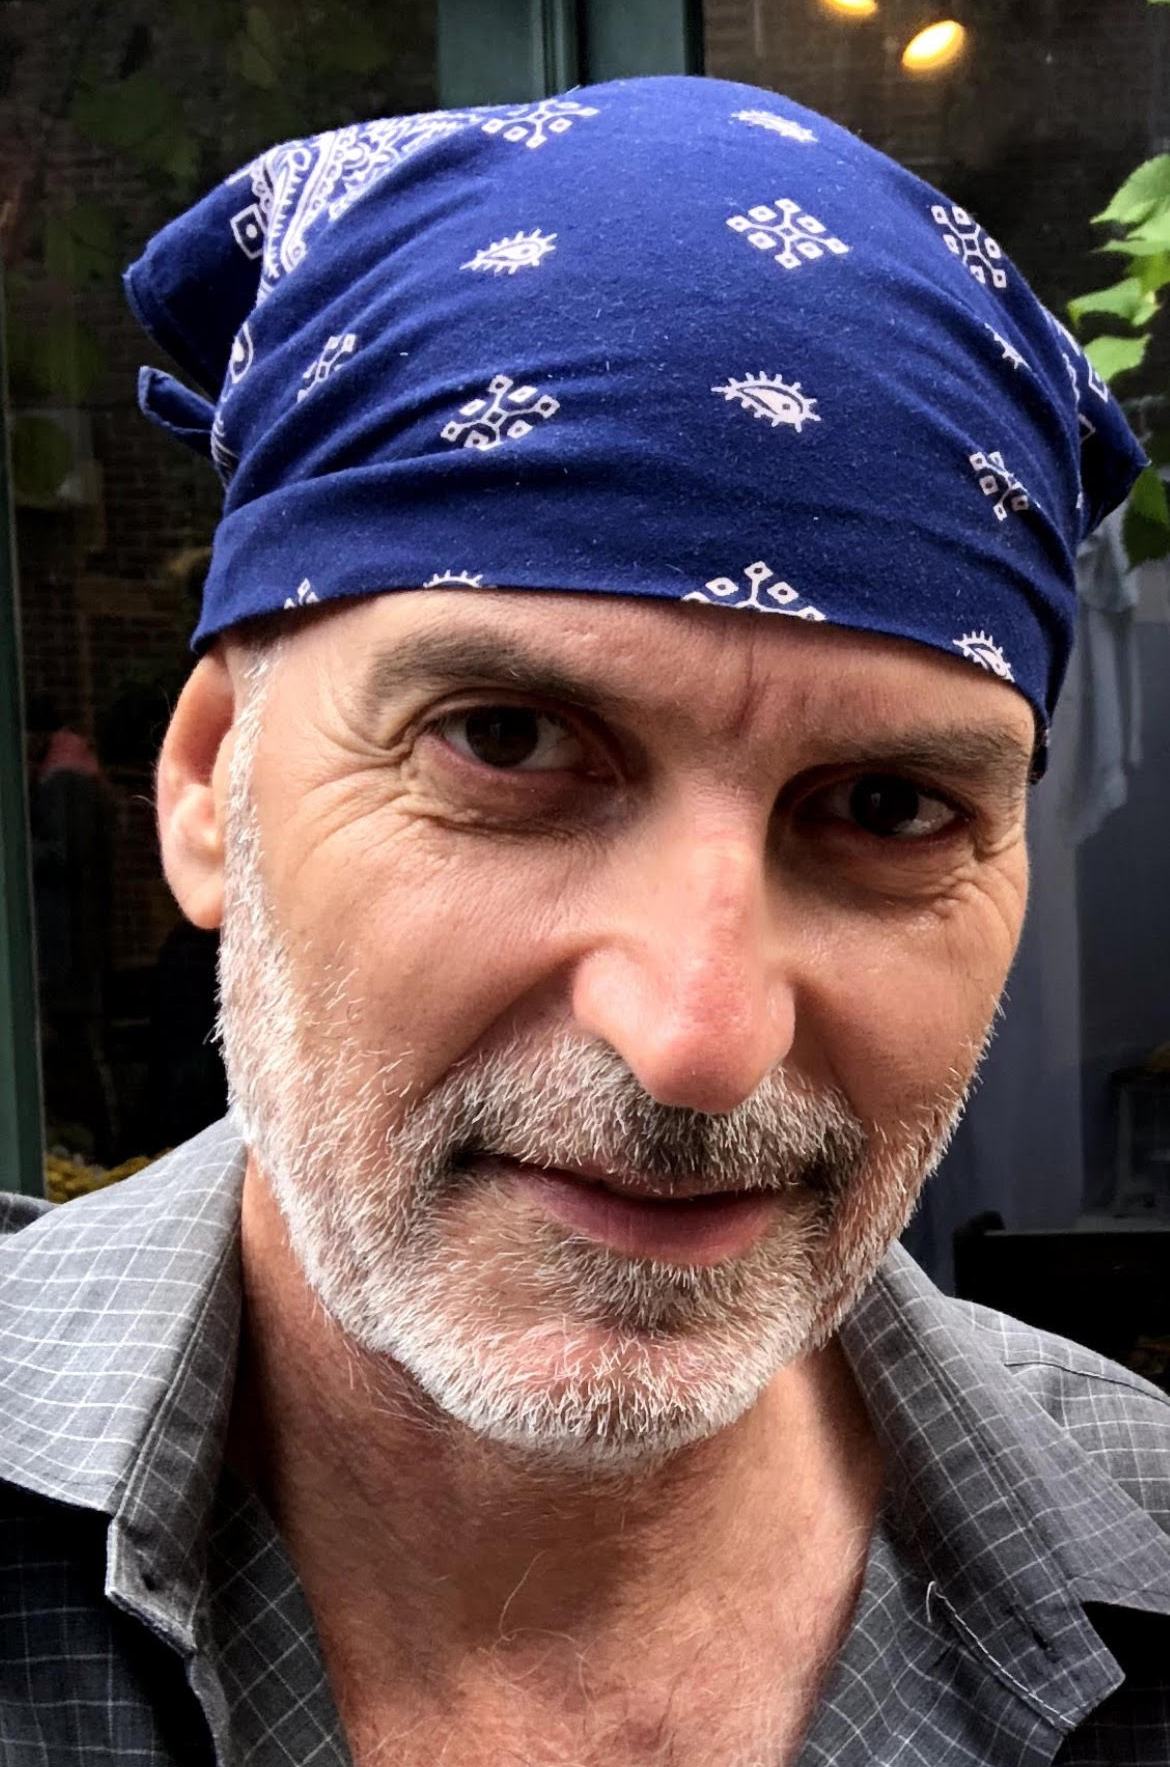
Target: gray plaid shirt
[1016,1603]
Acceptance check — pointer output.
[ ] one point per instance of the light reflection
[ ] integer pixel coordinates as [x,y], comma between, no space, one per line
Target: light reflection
[938,46]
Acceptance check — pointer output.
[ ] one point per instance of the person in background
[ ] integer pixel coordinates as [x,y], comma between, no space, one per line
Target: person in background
[70,824]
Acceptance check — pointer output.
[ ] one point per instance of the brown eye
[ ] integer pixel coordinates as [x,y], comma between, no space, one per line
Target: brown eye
[889,806]
[513,739]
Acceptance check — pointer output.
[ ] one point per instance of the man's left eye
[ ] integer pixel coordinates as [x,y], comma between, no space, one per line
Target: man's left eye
[513,739]
[888,806]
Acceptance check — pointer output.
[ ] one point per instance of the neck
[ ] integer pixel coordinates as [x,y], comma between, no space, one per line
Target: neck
[407,1527]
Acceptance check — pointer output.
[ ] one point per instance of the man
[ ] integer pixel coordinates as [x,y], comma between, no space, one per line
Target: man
[526,1371]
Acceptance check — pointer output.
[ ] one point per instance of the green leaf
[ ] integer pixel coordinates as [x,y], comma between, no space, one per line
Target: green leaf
[80,244]
[124,114]
[79,361]
[256,51]
[55,360]
[261,31]
[26,382]
[1134,246]
[181,160]
[41,457]
[1125,300]
[1155,229]
[1148,498]
[253,65]
[1111,356]
[1142,190]
[140,118]
[1143,541]
[1153,272]
[1145,530]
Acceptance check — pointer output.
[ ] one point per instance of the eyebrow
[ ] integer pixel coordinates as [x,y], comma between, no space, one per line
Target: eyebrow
[475,659]
[992,756]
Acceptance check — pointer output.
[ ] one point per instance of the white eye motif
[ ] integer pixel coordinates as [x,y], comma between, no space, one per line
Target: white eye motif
[454,580]
[241,357]
[520,251]
[771,397]
[981,648]
[768,119]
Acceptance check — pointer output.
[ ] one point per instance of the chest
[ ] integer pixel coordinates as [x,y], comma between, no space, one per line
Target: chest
[753,1709]
[769,1737]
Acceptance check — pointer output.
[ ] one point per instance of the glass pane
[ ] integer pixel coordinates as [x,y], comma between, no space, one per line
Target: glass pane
[115,119]
[1032,125]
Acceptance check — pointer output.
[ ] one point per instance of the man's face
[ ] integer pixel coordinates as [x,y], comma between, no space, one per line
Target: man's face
[601,980]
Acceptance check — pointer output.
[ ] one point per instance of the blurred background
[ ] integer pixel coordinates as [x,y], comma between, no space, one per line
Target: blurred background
[114,114]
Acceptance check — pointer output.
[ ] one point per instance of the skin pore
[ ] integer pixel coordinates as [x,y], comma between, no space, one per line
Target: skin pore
[748,889]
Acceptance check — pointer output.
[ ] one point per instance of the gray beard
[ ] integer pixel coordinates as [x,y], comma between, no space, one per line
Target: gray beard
[593,1356]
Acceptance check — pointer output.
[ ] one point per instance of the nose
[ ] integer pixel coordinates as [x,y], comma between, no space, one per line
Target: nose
[690,981]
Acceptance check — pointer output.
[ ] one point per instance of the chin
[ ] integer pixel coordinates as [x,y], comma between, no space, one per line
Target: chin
[601,1393]
[615,1407]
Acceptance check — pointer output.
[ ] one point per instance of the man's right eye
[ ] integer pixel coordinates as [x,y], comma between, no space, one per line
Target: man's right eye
[513,739]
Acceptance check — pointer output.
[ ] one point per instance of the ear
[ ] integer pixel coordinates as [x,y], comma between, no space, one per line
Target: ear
[192,789]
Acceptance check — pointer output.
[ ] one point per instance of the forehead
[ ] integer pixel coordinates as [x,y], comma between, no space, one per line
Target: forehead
[713,673]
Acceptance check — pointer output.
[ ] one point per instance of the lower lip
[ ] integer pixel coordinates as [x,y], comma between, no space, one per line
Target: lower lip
[706,1230]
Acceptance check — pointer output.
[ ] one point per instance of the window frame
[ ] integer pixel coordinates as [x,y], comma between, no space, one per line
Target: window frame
[512,51]
[21,1121]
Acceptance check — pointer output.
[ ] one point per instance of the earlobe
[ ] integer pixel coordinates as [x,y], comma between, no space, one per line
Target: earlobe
[192,790]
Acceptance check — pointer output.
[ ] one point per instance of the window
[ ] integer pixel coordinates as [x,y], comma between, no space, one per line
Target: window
[1030,117]
[117,115]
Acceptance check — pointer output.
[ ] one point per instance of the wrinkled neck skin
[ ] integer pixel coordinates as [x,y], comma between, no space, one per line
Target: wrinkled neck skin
[424,1550]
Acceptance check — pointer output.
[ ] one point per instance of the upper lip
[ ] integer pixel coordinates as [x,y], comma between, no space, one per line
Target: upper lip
[627,1183]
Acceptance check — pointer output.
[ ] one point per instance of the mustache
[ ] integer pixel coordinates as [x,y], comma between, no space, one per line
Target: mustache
[577,1106]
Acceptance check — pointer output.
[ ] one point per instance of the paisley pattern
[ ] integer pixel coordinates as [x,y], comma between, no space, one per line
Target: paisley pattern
[771,397]
[497,335]
[521,251]
[977,647]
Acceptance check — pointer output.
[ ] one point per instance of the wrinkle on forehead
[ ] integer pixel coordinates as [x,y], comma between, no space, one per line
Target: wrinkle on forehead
[716,674]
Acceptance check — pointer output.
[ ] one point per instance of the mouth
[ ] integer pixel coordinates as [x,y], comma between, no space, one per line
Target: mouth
[634,1214]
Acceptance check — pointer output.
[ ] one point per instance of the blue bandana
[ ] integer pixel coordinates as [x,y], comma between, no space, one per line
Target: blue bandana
[669,337]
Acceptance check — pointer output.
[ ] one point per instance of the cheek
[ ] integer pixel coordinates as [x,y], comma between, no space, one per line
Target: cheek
[911,1000]
[439,937]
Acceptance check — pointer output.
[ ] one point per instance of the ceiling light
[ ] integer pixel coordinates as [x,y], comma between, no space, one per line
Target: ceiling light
[936,47]
[854,8]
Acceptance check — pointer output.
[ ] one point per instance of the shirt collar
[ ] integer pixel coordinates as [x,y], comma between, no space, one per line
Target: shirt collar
[119,1321]
[1018,1520]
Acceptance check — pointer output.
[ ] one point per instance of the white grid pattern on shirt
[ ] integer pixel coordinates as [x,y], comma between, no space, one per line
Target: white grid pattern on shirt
[1016,1464]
